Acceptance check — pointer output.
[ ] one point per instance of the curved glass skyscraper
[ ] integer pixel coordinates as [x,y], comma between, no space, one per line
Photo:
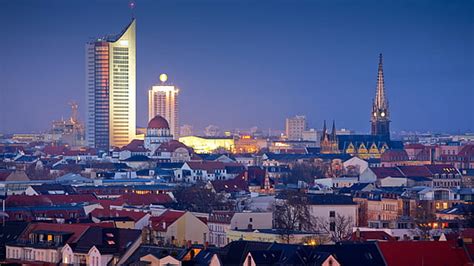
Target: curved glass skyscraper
[111,90]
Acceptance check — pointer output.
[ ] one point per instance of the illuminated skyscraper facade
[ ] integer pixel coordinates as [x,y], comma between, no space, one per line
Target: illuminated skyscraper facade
[163,101]
[111,90]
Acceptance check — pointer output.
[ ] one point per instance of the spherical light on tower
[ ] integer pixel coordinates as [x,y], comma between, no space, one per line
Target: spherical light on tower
[163,77]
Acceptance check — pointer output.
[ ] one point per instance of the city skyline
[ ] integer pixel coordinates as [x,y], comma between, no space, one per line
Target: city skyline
[324,86]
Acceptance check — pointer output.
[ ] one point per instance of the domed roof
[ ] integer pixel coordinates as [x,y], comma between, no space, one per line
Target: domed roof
[158,122]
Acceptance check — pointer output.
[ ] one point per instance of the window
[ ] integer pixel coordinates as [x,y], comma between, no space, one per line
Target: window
[250,219]
[332,214]
[332,226]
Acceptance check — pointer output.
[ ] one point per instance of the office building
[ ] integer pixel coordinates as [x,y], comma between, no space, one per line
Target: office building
[111,89]
[163,101]
[295,127]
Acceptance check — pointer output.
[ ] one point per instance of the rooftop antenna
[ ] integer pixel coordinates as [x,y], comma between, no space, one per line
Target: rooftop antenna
[131,5]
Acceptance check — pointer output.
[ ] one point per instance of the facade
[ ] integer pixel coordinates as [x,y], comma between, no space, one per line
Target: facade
[329,142]
[42,243]
[295,126]
[163,101]
[158,132]
[111,89]
[209,144]
[179,228]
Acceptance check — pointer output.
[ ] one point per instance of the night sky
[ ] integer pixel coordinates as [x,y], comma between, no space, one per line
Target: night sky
[250,63]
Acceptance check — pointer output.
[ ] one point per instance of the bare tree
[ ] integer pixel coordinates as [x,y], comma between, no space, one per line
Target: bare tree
[291,214]
[423,219]
[338,228]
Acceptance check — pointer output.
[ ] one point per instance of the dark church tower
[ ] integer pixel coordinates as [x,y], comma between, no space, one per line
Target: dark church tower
[380,117]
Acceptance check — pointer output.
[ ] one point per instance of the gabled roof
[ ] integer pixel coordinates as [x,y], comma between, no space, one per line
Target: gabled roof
[137,158]
[157,251]
[382,172]
[442,169]
[223,217]
[433,253]
[135,145]
[145,199]
[54,189]
[47,200]
[76,230]
[162,222]
[109,213]
[330,199]
[394,155]
[266,257]
[372,235]
[355,254]
[415,170]
[235,252]
[107,240]
[236,184]
[172,146]
[206,165]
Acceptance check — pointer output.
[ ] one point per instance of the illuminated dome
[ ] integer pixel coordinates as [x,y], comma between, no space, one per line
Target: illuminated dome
[158,122]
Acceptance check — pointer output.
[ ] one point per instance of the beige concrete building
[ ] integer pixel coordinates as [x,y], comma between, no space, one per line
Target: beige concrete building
[163,101]
[294,127]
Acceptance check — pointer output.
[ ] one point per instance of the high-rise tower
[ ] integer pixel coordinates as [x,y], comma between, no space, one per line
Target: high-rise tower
[111,89]
[380,117]
[163,101]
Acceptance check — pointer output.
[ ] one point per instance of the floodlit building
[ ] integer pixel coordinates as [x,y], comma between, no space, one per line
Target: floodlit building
[295,126]
[163,101]
[111,90]
[209,144]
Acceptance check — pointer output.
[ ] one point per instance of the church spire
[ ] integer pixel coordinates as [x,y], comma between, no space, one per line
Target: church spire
[333,133]
[380,117]
[380,100]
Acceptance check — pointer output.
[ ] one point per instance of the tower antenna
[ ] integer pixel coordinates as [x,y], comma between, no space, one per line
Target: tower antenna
[131,5]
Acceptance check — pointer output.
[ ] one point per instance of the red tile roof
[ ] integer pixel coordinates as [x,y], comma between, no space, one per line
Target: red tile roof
[415,170]
[146,199]
[162,222]
[372,235]
[206,165]
[106,203]
[394,155]
[172,145]
[433,253]
[135,145]
[467,150]
[136,216]
[47,200]
[382,172]
[76,229]
[416,146]
[4,175]
[236,184]
[441,169]
[222,217]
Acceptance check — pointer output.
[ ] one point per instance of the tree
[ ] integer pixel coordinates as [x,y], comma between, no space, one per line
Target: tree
[338,228]
[423,219]
[303,171]
[200,199]
[291,214]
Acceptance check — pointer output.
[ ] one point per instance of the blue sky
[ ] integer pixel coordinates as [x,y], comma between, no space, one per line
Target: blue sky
[250,63]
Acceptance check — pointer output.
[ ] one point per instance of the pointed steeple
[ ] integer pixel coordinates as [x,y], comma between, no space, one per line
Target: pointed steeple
[333,132]
[324,133]
[380,116]
[380,100]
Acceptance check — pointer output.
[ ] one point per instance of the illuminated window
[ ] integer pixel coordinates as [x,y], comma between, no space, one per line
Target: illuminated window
[50,238]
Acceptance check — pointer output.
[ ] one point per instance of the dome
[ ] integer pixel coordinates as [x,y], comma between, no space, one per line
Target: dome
[158,122]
